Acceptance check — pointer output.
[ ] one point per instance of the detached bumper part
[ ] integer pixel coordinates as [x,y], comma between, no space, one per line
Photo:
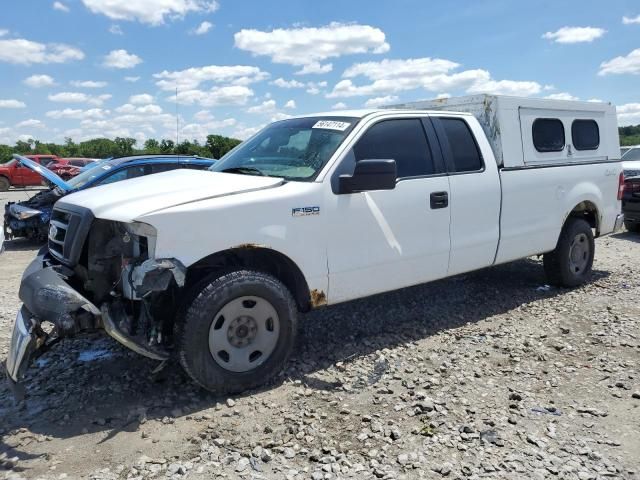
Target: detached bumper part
[619,222]
[25,340]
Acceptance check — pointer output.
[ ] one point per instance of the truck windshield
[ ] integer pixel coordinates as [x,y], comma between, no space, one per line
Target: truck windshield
[294,149]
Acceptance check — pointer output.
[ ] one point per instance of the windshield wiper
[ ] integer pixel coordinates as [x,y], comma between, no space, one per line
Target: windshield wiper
[243,170]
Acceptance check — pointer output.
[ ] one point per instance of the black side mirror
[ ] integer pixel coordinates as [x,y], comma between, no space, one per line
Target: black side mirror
[369,175]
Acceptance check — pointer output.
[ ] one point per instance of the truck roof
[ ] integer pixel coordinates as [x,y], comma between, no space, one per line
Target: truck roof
[365,112]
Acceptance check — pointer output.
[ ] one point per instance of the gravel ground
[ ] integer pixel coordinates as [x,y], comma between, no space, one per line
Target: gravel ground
[486,375]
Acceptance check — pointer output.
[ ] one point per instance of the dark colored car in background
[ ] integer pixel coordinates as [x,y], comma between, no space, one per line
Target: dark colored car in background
[30,218]
[631,195]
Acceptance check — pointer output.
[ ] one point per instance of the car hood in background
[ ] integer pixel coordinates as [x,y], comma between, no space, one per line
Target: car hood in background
[45,172]
[131,199]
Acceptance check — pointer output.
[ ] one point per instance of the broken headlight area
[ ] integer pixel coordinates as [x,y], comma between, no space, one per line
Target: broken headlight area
[115,285]
[21,212]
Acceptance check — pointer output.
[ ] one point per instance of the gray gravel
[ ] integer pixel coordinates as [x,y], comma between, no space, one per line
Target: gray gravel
[486,375]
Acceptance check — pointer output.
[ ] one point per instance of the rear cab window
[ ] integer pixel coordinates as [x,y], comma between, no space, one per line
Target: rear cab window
[585,134]
[548,135]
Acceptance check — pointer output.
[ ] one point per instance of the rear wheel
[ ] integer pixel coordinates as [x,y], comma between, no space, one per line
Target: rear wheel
[570,264]
[632,227]
[238,332]
[4,184]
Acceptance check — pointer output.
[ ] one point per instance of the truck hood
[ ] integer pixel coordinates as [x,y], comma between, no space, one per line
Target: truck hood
[45,172]
[131,199]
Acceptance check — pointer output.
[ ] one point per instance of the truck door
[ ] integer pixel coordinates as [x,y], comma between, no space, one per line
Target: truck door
[475,193]
[385,240]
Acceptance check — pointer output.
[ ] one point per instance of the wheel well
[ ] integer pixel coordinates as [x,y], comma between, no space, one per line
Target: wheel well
[256,258]
[587,211]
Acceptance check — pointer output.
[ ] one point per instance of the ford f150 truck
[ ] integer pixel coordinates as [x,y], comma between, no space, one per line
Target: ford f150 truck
[13,174]
[215,266]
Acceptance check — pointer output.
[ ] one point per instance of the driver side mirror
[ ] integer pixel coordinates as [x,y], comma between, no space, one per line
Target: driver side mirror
[369,175]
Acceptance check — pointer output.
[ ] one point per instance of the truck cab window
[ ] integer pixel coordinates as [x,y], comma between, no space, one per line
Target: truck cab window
[548,135]
[463,148]
[402,140]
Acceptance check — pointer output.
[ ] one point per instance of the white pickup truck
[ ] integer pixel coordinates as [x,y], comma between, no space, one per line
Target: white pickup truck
[215,266]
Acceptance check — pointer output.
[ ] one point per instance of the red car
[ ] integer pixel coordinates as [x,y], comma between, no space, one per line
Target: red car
[13,174]
[67,168]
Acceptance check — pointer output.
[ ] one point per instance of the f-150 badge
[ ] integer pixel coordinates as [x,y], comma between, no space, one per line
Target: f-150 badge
[305,211]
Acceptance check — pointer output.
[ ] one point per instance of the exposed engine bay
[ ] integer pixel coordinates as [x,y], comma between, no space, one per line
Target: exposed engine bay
[30,218]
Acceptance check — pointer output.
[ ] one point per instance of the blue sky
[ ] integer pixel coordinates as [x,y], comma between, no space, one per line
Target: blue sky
[88,68]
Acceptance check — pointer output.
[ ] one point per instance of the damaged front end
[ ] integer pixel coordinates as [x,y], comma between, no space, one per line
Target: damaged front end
[96,274]
[30,219]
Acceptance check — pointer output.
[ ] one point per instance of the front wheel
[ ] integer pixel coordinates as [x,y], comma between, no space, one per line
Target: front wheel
[4,184]
[570,264]
[238,332]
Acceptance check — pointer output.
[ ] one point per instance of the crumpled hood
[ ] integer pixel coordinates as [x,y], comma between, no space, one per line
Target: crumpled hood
[130,199]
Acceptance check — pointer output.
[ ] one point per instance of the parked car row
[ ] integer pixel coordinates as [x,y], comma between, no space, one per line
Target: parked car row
[14,174]
[213,267]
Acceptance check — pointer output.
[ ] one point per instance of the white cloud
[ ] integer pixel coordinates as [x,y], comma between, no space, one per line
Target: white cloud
[575,34]
[380,101]
[339,106]
[631,20]
[268,106]
[290,104]
[309,46]
[506,87]
[79,114]
[115,29]
[26,52]
[141,99]
[243,132]
[88,84]
[620,65]
[10,103]
[31,123]
[595,100]
[203,116]
[228,95]
[37,81]
[203,28]
[282,83]
[3,32]
[131,79]
[315,68]
[191,78]
[435,75]
[148,109]
[629,114]
[561,96]
[60,6]
[153,12]
[199,131]
[77,97]
[280,116]
[121,59]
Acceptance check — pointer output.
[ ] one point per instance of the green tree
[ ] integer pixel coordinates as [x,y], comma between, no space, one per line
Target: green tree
[125,146]
[152,146]
[166,146]
[218,145]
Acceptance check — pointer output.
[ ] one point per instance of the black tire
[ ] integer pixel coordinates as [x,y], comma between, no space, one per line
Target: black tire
[632,227]
[194,328]
[560,268]
[4,184]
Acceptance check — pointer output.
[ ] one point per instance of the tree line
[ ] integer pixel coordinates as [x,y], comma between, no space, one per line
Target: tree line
[630,135]
[215,146]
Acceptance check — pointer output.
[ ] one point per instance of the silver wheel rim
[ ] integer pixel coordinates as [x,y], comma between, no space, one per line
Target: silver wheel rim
[244,334]
[579,251]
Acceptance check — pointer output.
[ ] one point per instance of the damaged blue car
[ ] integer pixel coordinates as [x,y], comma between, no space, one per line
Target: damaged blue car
[30,218]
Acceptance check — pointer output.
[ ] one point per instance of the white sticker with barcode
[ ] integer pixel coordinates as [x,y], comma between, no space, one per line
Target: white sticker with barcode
[332,125]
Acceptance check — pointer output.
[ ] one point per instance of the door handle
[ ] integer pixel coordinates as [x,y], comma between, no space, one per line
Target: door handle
[439,200]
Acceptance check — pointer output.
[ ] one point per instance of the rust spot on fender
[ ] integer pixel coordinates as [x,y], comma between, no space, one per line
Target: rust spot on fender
[318,298]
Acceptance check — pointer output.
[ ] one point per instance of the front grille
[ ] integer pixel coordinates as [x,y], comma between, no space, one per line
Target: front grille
[68,230]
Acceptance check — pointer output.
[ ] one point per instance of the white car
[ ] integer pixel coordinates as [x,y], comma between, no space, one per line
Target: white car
[215,266]
[632,154]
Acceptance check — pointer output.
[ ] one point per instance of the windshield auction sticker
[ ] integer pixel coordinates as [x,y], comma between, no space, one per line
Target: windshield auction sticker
[332,125]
